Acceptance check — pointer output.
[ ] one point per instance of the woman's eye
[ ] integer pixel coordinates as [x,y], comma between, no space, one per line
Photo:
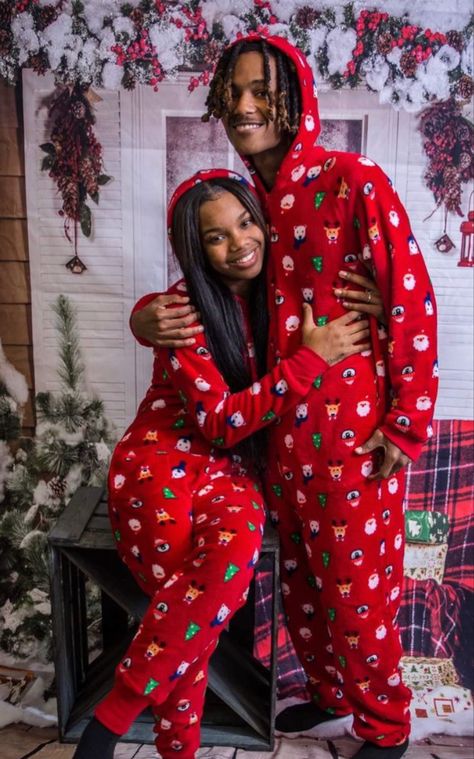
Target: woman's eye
[247,222]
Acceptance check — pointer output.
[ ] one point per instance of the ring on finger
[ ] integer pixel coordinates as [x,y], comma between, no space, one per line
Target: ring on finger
[369,294]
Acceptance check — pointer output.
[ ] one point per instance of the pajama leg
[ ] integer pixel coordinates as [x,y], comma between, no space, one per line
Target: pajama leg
[217,539]
[178,719]
[358,563]
[305,615]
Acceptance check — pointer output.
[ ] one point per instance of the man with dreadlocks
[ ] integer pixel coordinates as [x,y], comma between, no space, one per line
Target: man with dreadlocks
[335,481]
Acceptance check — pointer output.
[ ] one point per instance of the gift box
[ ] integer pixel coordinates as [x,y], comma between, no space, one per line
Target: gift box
[446,701]
[428,672]
[425,562]
[426,526]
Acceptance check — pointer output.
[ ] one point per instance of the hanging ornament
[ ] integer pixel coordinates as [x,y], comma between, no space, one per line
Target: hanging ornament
[75,265]
[467,241]
[444,244]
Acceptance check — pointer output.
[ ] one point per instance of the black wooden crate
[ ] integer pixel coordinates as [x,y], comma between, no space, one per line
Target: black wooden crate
[241,693]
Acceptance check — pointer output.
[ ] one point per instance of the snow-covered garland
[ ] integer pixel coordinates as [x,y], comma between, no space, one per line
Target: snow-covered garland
[111,43]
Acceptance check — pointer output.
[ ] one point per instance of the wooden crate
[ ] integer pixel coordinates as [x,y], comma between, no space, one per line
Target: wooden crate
[241,694]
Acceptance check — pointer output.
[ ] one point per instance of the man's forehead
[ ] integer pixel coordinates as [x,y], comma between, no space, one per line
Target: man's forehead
[249,68]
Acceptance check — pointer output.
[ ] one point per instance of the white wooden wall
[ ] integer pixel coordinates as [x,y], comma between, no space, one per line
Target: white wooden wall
[126,255]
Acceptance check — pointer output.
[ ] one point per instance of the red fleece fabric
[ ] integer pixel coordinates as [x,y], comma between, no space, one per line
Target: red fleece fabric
[341,533]
[188,519]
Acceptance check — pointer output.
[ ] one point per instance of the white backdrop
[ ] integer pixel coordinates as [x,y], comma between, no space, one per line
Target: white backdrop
[149,146]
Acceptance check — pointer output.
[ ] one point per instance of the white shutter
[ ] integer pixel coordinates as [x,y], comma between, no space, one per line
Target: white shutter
[104,293]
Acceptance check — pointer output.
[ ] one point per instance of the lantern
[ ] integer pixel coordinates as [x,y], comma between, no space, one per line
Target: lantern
[467,240]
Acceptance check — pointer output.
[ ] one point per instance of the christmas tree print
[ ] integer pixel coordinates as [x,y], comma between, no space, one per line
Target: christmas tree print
[230,572]
[192,630]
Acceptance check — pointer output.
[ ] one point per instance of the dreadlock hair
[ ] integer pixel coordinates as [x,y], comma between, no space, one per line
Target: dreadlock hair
[221,314]
[288,97]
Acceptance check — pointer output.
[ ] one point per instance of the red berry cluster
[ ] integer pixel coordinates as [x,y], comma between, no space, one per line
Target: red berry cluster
[140,51]
[380,32]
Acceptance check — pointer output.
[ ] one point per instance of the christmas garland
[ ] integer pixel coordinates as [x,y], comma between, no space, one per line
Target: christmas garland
[74,160]
[116,44]
[120,44]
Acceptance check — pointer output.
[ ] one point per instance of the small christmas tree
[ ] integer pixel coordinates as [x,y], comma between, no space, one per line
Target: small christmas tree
[71,448]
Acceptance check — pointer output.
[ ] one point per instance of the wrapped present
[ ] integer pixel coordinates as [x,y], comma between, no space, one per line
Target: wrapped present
[428,672]
[426,526]
[447,708]
[425,562]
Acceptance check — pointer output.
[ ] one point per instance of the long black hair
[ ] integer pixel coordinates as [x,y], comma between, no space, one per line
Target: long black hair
[221,314]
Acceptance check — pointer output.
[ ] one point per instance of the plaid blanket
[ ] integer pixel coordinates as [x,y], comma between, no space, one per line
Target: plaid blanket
[435,620]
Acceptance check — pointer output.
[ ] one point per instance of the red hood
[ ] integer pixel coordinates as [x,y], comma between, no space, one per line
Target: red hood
[309,128]
[201,176]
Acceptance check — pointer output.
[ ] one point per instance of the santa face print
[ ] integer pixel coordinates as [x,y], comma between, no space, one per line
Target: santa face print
[232,241]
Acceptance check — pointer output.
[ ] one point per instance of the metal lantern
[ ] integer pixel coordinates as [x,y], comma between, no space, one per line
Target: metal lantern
[467,240]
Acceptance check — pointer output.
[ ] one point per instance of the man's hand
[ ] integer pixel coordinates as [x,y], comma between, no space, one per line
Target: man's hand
[167,327]
[393,458]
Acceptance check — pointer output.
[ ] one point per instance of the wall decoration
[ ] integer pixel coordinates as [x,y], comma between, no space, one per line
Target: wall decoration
[74,161]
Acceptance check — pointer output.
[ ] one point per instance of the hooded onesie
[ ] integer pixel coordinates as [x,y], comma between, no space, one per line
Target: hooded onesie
[342,534]
[188,519]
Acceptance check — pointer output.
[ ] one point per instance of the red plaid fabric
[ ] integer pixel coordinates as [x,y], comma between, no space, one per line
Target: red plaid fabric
[435,620]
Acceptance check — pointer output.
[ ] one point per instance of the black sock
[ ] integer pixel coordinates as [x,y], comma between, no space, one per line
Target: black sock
[302,717]
[97,742]
[372,751]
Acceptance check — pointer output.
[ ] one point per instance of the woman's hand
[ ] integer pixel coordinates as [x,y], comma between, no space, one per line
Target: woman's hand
[367,301]
[161,324]
[338,339]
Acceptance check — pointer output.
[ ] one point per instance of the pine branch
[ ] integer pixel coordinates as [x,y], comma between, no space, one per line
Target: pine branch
[56,457]
[71,368]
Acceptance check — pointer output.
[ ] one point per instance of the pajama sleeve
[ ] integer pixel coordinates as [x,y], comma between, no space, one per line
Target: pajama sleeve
[387,242]
[226,418]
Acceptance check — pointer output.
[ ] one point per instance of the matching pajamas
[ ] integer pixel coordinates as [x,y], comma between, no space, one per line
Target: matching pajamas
[342,533]
[188,519]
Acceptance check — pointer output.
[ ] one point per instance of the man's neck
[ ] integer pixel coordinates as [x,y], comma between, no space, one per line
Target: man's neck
[268,162]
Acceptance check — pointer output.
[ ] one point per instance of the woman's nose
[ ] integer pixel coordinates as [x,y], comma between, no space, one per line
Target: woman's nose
[237,239]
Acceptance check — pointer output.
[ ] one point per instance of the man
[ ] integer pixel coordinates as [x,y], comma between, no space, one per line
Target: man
[335,480]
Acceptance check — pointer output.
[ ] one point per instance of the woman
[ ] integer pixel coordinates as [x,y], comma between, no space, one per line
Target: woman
[188,514]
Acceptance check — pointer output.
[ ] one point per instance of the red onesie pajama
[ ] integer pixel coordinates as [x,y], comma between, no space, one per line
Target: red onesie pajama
[188,521]
[342,534]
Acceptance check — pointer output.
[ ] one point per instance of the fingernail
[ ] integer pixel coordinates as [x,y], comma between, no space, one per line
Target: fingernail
[343,274]
[337,291]
[359,450]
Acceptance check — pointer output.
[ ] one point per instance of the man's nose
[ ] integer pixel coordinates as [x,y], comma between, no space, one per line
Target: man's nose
[244,102]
